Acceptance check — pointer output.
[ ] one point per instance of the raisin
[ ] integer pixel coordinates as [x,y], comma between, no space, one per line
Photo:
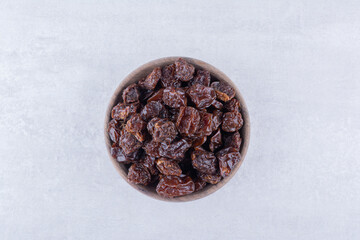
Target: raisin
[233,140]
[224,91]
[217,104]
[138,174]
[168,167]
[199,184]
[232,121]
[151,80]
[114,130]
[145,94]
[188,121]
[205,127]
[135,125]
[164,131]
[183,70]
[204,161]
[157,96]
[173,114]
[151,124]
[174,186]
[217,119]
[175,150]
[201,96]
[149,162]
[215,141]
[152,149]
[202,77]
[121,111]
[174,97]
[128,142]
[228,158]
[153,109]
[131,93]
[118,153]
[209,178]
[168,77]
[232,106]
[198,142]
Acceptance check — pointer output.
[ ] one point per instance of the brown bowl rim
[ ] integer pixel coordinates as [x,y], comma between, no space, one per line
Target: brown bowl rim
[142,71]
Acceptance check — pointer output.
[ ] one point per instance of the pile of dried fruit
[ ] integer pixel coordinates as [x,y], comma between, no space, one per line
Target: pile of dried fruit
[177,130]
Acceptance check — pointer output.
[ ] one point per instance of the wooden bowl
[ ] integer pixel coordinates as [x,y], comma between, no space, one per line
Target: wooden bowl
[142,72]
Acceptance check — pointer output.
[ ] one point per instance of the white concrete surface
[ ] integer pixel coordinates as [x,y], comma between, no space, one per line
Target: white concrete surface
[297,64]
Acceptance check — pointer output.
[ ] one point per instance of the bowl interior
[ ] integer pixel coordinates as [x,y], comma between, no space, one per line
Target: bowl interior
[142,72]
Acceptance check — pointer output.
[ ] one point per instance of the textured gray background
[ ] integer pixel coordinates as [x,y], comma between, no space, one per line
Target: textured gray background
[296,63]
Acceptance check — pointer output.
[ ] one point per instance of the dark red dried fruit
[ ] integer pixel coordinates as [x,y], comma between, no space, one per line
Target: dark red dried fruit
[128,142]
[168,77]
[188,121]
[175,150]
[149,162]
[118,153]
[198,142]
[217,104]
[151,80]
[152,149]
[233,140]
[202,77]
[151,124]
[157,96]
[135,125]
[215,141]
[228,158]
[174,97]
[183,70]
[164,131]
[224,91]
[138,174]
[204,161]
[205,127]
[209,178]
[217,119]
[201,96]
[131,93]
[145,94]
[232,106]
[199,184]
[114,130]
[153,109]
[174,186]
[121,111]
[168,167]
[173,114]
[232,121]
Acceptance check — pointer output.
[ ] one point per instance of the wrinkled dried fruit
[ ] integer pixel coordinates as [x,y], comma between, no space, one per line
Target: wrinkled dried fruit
[198,142]
[217,104]
[135,125]
[215,141]
[232,121]
[199,184]
[151,124]
[204,161]
[183,70]
[233,140]
[145,94]
[131,93]
[151,80]
[114,130]
[164,131]
[202,77]
[188,121]
[138,174]
[122,111]
[232,106]
[201,96]
[224,91]
[128,142]
[174,97]
[168,77]
[209,178]
[205,127]
[153,109]
[175,150]
[217,119]
[152,149]
[174,186]
[168,167]
[149,162]
[118,153]
[173,114]
[157,96]
[228,158]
